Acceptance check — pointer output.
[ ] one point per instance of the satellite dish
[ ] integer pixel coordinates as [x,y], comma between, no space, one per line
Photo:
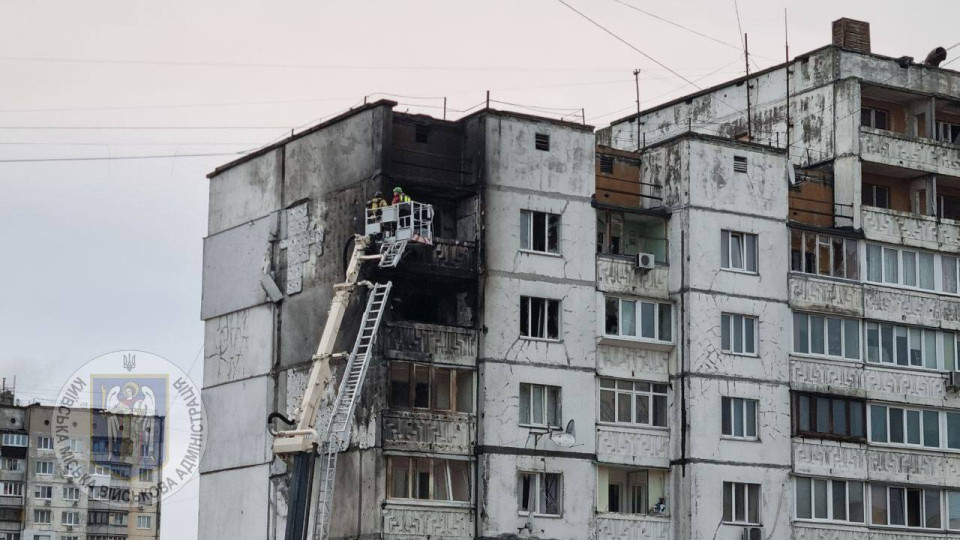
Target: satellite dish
[565,438]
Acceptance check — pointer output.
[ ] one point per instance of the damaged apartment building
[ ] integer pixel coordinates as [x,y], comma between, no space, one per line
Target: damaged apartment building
[731,316]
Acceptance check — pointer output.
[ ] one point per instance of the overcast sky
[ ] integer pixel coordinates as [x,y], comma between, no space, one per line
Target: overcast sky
[105,255]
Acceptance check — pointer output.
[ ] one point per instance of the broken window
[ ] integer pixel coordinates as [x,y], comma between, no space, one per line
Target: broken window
[633,402]
[638,320]
[632,491]
[738,251]
[539,318]
[422,134]
[738,334]
[421,386]
[623,233]
[542,141]
[540,493]
[739,417]
[826,336]
[874,118]
[948,207]
[741,503]
[834,500]
[428,479]
[948,132]
[874,195]
[817,415]
[539,231]
[539,405]
[825,255]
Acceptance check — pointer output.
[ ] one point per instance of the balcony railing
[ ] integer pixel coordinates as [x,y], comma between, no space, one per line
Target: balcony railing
[446,257]
[858,461]
[632,527]
[435,432]
[633,446]
[871,381]
[910,229]
[402,522]
[620,275]
[430,343]
[811,293]
[899,150]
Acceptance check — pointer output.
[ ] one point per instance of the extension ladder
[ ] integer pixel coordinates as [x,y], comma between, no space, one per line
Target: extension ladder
[390,253]
[338,430]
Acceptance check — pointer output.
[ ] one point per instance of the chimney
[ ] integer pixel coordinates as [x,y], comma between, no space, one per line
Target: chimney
[852,35]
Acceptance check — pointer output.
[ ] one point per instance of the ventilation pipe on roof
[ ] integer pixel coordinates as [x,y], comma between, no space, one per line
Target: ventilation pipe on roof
[935,57]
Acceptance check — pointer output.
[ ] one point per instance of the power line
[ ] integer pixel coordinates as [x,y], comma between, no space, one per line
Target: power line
[119,158]
[132,128]
[678,25]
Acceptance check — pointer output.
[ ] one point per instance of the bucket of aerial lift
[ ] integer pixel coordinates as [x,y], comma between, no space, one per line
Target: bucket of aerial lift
[407,221]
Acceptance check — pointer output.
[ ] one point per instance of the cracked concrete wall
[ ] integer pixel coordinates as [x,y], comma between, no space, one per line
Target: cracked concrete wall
[561,180]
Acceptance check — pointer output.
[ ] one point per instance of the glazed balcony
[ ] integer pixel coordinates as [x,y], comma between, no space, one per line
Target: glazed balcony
[419,342]
[415,522]
[428,431]
[632,527]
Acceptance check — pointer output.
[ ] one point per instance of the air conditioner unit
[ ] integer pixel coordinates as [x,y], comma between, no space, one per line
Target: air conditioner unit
[46,502]
[953,380]
[76,503]
[646,261]
[752,533]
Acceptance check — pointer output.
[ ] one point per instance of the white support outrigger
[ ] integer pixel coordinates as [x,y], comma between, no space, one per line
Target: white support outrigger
[394,227]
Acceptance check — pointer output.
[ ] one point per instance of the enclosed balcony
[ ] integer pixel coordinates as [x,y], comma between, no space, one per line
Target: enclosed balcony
[632,503]
[428,153]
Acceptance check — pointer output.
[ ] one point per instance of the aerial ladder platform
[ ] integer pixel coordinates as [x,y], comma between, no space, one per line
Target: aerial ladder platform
[393,228]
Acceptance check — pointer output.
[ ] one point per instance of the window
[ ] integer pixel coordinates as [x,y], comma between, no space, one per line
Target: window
[739,164]
[542,141]
[45,443]
[834,500]
[539,318]
[65,537]
[71,493]
[14,439]
[738,334]
[904,267]
[539,231]
[539,405]
[428,479]
[146,475]
[910,346]
[120,471]
[953,510]
[99,470]
[632,491]
[948,132]
[118,518]
[829,416]
[606,164]
[422,133]
[11,464]
[741,503]
[948,207]
[896,425]
[633,402]
[70,518]
[421,386]
[875,118]
[637,320]
[905,507]
[144,522]
[540,493]
[824,255]
[739,418]
[738,251]
[41,516]
[874,195]
[10,535]
[43,492]
[11,489]
[826,336]
[624,233]
[44,467]
[42,537]
[95,517]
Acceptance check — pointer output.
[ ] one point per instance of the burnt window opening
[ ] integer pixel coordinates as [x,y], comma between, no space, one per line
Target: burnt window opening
[606,164]
[739,164]
[422,134]
[542,141]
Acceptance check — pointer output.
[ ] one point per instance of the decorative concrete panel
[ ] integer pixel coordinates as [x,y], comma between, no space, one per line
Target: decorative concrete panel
[804,531]
[876,464]
[414,523]
[430,343]
[880,146]
[632,528]
[632,362]
[858,379]
[896,227]
[428,432]
[910,307]
[633,447]
[233,263]
[808,293]
[622,276]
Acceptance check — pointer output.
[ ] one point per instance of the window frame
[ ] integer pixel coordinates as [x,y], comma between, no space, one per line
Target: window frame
[552,223]
[538,492]
[412,368]
[826,318]
[872,122]
[149,522]
[917,255]
[37,512]
[547,303]
[635,394]
[728,418]
[20,440]
[830,483]
[549,392]
[726,261]
[941,338]
[812,433]
[638,317]
[906,489]
[920,414]
[851,257]
[728,325]
[746,507]
[41,464]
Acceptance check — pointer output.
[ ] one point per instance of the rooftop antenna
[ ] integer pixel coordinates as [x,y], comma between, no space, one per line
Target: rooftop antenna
[786,44]
[636,80]
[746,59]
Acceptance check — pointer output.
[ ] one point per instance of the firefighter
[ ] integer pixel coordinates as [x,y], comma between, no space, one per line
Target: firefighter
[377,202]
[399,196]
